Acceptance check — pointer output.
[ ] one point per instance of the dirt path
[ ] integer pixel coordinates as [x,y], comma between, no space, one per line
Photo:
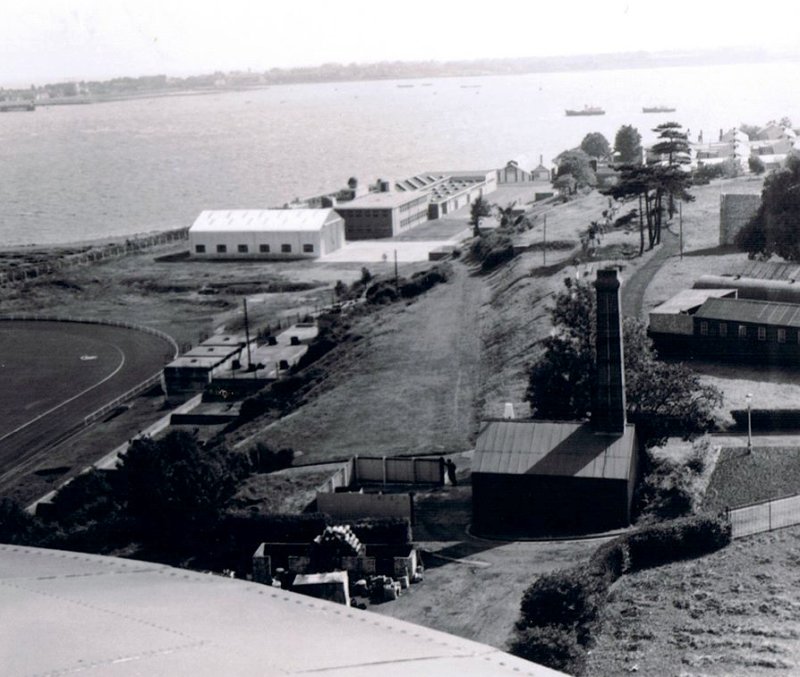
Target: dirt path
[636,286]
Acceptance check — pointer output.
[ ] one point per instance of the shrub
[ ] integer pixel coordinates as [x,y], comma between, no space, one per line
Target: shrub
[756,164]
[382,292]
[676,540]
[767,419]
[263,458]
[252,529]
[552,646]
[88,497]
[390,530]
[17,527]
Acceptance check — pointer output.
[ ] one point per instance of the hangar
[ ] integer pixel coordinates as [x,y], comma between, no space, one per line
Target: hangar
[266,233]
[550,477]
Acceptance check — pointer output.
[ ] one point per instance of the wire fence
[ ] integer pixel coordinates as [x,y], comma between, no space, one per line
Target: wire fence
[764,516]
[33,269]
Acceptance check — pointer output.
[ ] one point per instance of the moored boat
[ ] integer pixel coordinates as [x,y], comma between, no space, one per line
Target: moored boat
[586,110]
[658,109]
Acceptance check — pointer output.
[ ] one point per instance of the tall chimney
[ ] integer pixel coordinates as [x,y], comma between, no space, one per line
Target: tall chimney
[608,414]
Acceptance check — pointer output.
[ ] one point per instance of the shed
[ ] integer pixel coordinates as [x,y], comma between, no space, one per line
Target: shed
[552,477]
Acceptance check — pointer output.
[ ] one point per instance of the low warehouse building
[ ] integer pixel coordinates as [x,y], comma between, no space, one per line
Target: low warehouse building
[266,233]
[552,477]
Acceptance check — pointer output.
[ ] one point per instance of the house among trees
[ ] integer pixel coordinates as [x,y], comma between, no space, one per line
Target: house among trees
[544,477]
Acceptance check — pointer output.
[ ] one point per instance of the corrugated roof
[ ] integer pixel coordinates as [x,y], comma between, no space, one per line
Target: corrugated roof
[766,270]
[382,200]
[752,311]
[568,449]
[249,220]
[688,299]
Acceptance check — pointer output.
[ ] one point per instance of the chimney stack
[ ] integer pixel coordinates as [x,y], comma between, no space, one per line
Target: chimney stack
[608,414]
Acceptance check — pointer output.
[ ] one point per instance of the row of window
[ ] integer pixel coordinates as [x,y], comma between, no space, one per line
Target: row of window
[416,203]
[369,213]
[761,333]
[262,249]
[412,219]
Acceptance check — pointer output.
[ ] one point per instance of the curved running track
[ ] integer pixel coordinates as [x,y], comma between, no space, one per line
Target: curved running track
[53,374]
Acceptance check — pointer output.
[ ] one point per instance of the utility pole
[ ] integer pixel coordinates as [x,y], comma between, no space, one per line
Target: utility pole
[396,284]
[680,222]
[247,334]
[544,242]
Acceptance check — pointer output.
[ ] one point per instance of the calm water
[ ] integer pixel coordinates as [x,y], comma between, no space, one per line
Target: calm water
[81,172]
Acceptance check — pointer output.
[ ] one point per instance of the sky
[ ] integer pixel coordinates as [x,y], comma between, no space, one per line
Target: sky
[52,40]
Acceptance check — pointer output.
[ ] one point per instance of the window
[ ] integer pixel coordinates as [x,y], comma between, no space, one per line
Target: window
[286,248]
[263,248]
[762,333]
[704,328]
[742,331]
[200,249]
[221,248]
[308,248]
[242,249]
[781,336]
[723,329]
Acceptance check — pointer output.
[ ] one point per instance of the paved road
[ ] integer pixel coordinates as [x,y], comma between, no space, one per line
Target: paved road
[635,287]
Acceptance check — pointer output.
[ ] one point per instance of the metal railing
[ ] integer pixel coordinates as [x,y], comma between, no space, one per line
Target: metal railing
[764,516]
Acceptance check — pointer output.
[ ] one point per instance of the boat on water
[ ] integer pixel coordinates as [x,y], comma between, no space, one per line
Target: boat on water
[658,109]
[405,86]
[10,106]
[586,110]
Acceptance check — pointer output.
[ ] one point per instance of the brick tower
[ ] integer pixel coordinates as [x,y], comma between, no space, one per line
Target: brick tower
[608,412]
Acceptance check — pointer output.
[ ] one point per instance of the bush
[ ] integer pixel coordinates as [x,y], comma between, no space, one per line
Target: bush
[389,530]
[676,540]
[263,458]
[552,646]
[768,419]
[382,292]
[88,497]
[491,250]
[17,527]
[756,164]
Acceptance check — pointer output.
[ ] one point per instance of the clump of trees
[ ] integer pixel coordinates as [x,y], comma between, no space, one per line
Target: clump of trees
[773,228]
[656,187]
[663,399]
[574,172]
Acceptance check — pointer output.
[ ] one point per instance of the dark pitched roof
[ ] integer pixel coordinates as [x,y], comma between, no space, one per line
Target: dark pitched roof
[751,311]
[571,449]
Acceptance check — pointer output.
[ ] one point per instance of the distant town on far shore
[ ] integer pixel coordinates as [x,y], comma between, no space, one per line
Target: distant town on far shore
[77,90]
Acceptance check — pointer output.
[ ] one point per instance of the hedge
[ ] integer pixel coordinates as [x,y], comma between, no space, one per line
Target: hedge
[561,610]
[768,419]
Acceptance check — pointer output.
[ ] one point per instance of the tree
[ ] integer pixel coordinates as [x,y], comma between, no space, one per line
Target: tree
[756,165]
[173,488]
[773,228]
[672,142]
[595,145]
[662,398]
[576,163]
[628,145]
[478,210]
[750,130]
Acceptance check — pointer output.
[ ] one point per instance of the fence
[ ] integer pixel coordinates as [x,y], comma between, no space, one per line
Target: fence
[764,516]
[34,269]
[137,389]
[398,470]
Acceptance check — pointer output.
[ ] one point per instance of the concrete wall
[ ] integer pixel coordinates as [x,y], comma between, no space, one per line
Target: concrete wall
[356,506]
[382,469]
[735,210]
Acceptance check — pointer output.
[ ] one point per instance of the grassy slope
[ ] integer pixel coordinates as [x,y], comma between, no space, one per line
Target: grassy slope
[736,612]
[407,387]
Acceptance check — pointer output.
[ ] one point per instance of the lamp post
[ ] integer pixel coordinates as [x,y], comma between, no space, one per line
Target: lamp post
[749,398]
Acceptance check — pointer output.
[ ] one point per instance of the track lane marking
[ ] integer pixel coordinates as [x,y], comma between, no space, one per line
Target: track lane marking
[70,399]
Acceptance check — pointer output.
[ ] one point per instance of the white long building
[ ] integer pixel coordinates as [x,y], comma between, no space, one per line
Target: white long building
[266,233]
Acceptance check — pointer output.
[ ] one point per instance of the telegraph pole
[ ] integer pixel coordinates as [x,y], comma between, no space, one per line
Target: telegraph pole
[680,226]
[544,242]
[396,284]
[247,334]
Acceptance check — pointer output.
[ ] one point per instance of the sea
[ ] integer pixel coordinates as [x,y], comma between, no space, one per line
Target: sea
[84,172]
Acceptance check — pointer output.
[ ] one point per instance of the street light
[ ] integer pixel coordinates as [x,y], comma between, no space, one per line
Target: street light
[749,398]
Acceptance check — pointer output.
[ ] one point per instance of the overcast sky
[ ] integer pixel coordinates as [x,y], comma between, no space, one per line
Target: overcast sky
[48,40]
